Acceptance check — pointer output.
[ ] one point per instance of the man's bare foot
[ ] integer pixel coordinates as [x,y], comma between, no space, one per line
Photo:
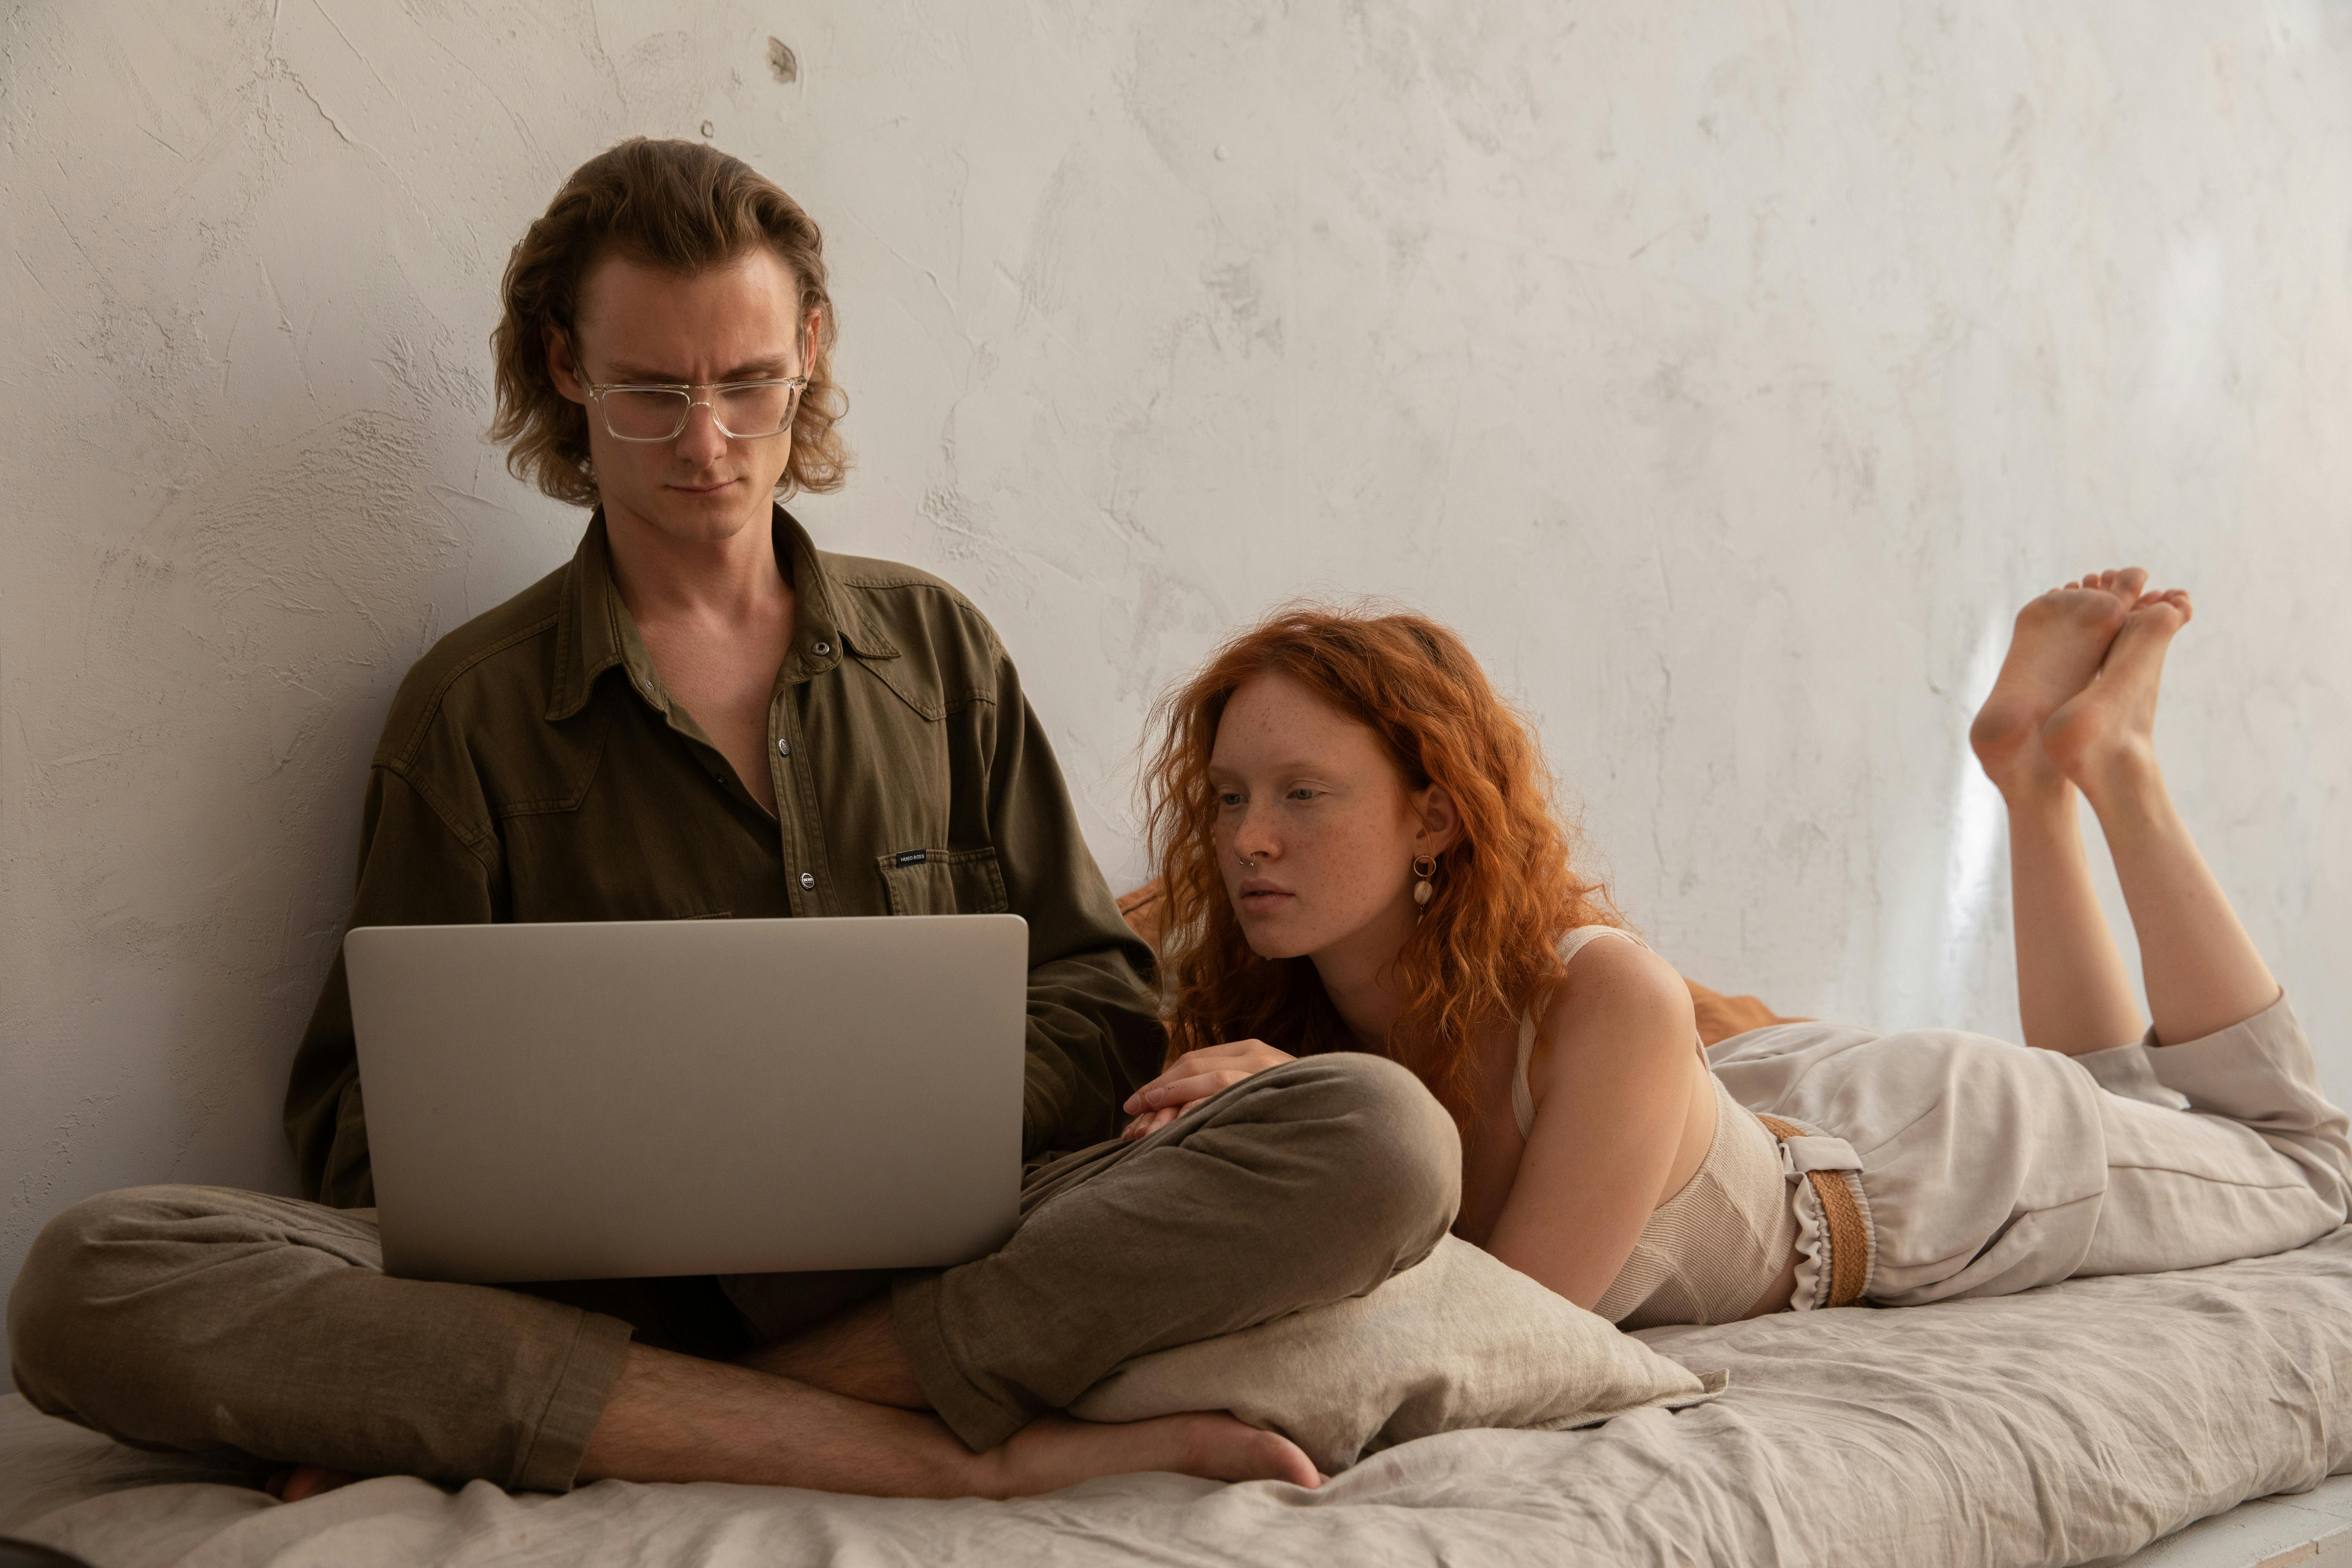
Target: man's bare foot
[1050,1453]
[2053,654]
[673,1417]
[307,1481]
[1056,1451]
[2110,724]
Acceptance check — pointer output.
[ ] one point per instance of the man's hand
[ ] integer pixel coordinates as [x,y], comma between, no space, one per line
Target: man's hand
[1192,1078]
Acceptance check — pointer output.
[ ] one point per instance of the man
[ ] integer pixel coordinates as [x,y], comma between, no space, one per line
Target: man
[704,715]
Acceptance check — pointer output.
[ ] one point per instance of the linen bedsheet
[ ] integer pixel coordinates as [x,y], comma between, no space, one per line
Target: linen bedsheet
[2069,1424]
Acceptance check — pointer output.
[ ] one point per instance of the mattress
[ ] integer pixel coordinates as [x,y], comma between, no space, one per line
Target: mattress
[2075,1424]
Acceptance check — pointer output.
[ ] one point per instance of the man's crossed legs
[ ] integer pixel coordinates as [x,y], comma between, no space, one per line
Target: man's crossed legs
[197,1318]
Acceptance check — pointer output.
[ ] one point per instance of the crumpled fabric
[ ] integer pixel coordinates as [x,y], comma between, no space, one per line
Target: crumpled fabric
[2066,1425]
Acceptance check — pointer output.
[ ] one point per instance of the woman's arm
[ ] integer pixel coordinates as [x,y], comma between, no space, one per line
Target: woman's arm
[1622,1116]
[1195,1077]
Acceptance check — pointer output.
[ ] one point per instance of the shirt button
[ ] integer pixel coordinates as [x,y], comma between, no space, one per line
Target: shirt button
[808,881]
[822,648]
[784,748]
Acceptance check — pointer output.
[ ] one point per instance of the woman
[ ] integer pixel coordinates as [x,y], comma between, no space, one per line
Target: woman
[1359,853]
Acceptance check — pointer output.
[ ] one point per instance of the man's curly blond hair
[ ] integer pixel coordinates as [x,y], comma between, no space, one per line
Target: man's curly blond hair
[680,206]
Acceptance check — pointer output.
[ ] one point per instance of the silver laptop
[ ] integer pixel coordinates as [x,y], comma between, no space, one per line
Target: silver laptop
[591,1102]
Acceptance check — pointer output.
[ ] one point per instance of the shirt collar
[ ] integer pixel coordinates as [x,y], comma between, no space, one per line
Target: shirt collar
[597,631]
[826,613]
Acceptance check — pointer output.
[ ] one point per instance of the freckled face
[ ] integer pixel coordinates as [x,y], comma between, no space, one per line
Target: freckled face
[1314,796]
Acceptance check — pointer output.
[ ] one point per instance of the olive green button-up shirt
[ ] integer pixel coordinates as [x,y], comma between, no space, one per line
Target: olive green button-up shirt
[534,768]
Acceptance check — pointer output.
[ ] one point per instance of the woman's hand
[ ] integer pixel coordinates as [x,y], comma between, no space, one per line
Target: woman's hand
[1192,1078]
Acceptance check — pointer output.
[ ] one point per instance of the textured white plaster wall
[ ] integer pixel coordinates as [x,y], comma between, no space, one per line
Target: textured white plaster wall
[1728,371]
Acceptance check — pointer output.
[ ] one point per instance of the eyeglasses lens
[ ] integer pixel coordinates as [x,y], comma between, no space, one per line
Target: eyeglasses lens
[636,415]
[757,410]
[644,414]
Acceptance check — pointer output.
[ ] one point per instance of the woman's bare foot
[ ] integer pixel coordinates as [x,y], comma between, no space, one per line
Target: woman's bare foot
[2053,654]
[2108,729]
[1056,1451]
[307,1481]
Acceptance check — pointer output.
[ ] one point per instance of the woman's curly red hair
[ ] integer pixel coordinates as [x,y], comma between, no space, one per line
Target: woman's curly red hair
[1503,895]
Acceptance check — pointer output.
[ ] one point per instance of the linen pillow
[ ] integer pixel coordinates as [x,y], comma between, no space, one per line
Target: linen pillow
[1459,1339]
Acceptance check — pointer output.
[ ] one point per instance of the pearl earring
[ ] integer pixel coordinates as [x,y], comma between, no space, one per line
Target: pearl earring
[1424,867]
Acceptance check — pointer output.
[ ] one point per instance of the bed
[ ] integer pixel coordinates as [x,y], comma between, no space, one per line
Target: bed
[2075,1424]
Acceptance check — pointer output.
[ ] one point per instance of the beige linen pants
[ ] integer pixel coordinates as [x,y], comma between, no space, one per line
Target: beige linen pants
[1986,1168]
[195,1318]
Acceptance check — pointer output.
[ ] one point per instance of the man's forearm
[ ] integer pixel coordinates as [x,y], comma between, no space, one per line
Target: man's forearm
[1094,1035]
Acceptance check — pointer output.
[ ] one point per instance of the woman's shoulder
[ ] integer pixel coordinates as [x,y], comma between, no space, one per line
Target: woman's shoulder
[1617,983]
[1618,1017]
[1598,958]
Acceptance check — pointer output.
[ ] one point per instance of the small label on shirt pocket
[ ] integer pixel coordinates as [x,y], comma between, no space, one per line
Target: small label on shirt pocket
[943,882]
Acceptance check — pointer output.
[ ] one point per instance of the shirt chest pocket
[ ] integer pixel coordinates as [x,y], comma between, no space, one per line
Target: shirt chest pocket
[943,882]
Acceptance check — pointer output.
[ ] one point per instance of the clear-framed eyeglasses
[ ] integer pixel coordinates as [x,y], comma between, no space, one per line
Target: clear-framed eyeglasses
[743,410]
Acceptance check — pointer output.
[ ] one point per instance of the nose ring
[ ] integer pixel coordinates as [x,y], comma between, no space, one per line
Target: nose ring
[1248,862]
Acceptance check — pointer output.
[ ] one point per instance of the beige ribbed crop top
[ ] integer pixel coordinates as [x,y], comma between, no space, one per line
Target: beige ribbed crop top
[1709,1252]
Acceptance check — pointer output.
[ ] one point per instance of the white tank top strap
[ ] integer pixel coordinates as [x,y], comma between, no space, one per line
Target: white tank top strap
[1523,1101]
